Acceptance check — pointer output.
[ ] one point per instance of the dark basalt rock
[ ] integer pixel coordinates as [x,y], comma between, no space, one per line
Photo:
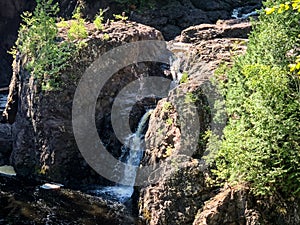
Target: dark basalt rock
[5,143]
[178,15]
[177,194]
[43,142]
[25,203]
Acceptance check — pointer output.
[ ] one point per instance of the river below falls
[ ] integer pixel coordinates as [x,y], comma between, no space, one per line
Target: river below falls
[25,202]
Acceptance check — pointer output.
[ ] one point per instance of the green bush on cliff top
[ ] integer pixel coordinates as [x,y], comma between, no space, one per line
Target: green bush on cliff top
[261,143]
[38,41]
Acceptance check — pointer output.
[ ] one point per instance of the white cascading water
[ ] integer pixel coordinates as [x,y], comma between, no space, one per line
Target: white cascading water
[3,99]
[236,13]
[132,153]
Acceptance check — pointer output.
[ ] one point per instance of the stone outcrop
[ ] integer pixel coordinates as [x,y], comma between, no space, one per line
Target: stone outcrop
[26,203]
[170,17]
[234,28]
[176,195]
[236,205]
[176,198]
[173,17]
[171,198]
[44,144]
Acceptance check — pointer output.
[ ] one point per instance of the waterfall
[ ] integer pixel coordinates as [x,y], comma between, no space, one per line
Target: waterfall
[3,99]
[132,153]
[238,13]
[135,145]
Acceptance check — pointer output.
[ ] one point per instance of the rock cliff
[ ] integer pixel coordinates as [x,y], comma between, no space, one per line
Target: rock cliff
[43,140]
[170,17]
[177,194]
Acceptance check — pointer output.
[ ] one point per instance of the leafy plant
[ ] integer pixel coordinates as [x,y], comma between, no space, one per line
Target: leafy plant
[167,106]
[168,152]
[37,40]
[98,22]
[106,37]
[77,28]
[190,98]
[121,17]
[62,24]
[184,78]
[169,121]
[262,139]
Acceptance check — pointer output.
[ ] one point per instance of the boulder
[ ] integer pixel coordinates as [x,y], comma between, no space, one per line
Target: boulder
[44,146]
[236,205]
[176,198]
[222,29]
[179,15]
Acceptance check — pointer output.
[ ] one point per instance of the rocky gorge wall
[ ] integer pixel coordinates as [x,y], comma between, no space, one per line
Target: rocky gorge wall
[43,140]
[170,17]
[44,145]
[184,194]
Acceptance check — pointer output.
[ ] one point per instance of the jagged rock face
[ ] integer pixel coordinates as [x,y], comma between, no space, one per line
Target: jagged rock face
[175,16]
[236,205]
[169,200]
[222,29]
[176,198]
[44,145]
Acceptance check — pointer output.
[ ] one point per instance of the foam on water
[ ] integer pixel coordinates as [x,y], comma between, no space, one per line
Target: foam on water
[134,144]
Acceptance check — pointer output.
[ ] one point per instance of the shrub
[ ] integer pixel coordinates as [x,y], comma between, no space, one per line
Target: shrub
[37,40]
[98,22]
[77,28]
[261,142]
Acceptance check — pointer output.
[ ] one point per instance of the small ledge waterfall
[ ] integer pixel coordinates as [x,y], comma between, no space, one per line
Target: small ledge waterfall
[132,153]
[3,100]
[238,13]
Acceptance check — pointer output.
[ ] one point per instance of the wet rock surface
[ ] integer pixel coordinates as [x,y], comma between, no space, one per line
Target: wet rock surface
[24,202]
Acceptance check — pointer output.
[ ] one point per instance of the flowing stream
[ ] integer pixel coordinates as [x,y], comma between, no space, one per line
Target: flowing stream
[239,14]
[132,153]
[3,99]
